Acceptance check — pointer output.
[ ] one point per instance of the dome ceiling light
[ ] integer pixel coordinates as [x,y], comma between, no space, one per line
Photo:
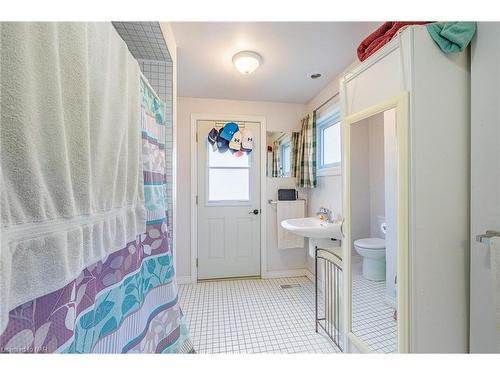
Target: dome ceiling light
[246,62]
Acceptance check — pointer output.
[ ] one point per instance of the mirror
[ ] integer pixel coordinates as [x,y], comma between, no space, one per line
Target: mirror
[376,251]
[280,153]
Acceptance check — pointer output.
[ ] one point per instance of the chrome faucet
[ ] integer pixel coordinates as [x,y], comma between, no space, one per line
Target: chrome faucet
[326,213]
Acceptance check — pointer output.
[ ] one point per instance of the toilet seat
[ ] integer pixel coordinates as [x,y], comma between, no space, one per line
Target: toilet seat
[370,243]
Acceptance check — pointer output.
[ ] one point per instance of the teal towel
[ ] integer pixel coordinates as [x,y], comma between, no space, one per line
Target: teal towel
[452,36]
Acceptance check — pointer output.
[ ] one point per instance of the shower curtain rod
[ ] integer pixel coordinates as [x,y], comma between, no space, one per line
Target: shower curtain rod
[149,86]
[327,101]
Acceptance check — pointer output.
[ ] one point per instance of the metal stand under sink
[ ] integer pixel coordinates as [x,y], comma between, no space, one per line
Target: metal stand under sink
[328,292]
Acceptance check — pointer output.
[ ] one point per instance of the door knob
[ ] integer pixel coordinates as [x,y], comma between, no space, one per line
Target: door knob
[255,212]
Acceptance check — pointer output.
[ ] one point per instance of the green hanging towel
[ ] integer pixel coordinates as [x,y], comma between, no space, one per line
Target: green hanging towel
[452,36]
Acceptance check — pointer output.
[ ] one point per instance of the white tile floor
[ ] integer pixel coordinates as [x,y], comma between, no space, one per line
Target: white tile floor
[253,316]
[372,319]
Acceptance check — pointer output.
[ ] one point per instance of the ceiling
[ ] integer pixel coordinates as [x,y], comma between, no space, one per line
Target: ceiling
[291,52]
[144,40]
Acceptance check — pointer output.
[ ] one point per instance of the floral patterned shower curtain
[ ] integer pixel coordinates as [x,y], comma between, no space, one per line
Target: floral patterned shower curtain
[125,303]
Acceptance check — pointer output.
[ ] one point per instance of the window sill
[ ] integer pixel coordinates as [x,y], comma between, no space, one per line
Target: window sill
[333,171]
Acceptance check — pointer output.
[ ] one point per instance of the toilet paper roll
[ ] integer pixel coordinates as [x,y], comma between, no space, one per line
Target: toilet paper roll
[383,227]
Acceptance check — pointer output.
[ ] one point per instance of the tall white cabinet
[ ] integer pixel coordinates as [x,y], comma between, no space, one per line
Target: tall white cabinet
[438,179]
[485,184]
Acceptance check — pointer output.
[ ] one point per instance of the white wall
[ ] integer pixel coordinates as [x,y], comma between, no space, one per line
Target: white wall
[279,117]
[368,177]
[377,175]
[360,180]
[329,191]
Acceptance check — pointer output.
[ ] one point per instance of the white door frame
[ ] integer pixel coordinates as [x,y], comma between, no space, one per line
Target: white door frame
[195,117]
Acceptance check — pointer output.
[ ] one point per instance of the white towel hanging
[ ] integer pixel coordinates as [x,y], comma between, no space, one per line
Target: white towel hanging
[495,270]
[289,210]
[72,184]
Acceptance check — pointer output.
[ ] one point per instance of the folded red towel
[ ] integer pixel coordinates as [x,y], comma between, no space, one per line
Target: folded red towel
[380,37]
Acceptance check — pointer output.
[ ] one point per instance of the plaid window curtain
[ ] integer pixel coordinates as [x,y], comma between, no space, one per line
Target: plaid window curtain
[276,159]
[294,153]
[306,156]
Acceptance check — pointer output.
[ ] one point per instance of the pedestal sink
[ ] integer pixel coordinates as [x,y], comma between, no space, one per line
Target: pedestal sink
[313,227]
[320,233]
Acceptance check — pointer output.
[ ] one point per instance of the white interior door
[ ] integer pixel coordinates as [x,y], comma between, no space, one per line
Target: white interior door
[485,181]
[228,208]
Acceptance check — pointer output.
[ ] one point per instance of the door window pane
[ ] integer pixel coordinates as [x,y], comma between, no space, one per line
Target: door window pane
[228,184]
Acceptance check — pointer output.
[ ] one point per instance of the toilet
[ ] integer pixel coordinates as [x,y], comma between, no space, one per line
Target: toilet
[373,252]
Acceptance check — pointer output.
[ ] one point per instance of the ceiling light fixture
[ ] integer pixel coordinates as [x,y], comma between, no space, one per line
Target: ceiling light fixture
[247,61]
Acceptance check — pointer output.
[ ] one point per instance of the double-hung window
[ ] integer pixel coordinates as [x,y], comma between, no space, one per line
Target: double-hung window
[328,144]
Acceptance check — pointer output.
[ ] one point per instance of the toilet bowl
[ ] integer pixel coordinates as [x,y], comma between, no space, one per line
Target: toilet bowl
[373,252]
